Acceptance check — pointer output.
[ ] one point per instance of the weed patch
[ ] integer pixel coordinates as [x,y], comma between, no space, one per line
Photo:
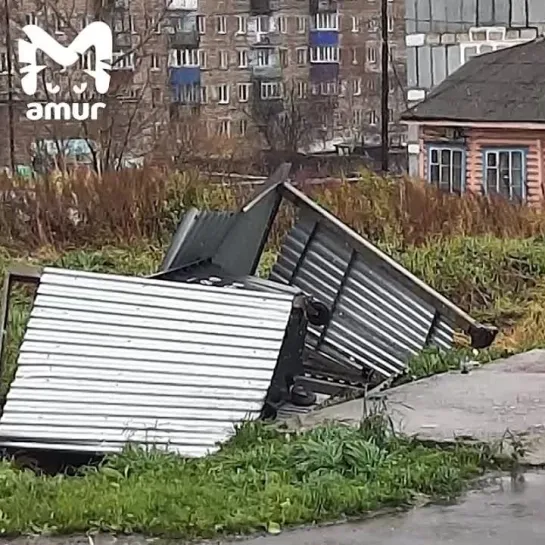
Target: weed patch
[262,480]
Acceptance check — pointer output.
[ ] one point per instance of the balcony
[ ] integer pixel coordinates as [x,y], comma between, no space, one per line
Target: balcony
[320,6]
[122,39]
[260,7]
[265,39]
[182,5]
[268,72]
[181,39]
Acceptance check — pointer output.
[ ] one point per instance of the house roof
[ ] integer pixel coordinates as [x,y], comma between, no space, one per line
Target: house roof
[503,86]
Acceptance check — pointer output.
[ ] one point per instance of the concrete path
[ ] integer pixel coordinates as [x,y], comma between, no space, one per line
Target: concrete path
[505,395]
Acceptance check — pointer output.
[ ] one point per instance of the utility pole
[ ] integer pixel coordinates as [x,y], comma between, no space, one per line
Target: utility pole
[384,88]
[10,87]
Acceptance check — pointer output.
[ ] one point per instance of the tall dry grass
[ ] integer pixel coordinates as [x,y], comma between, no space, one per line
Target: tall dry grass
[136,205]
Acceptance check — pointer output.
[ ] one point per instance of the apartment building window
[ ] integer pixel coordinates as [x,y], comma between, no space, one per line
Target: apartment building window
[357,118]
[57,24]
[223,94]
[242,57]
[264,57]
[122,60]
[372,25]
[282,24]
[204,94]
[155,63]
[263,24]
[324,54]
[301,24]
[446,167]
[224,60]
[356,87]
[354,55]
[154,25]
[224,128]
[243,127]
[184,57]
[505,172]
[271,90]
[86,60]
[156,97]
[301,89]
[372,118]
[283,57]
[371,84]
[391,23]
[3,62]
[302,56]
[243,92]
[326,21]
[203,58]
[31,19]
[201,24]
[355,24]
[221,24]
[242,24]
[328,88]
[371,54]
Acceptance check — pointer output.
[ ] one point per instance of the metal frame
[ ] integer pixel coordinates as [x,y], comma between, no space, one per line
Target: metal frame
[16,274]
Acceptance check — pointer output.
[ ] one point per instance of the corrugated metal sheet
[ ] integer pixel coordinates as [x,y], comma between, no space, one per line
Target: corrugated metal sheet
[109,359]
[376,322]
[198,237]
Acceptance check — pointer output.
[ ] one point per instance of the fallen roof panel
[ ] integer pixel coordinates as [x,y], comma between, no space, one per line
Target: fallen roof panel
[109,359]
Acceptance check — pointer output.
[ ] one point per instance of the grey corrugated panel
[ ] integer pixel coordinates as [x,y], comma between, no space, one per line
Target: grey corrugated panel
[109,359]
[376,323]
[198,236]
[443,334]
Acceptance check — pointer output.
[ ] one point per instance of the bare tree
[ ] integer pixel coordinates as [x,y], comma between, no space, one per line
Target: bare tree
[128,127]
[292,121]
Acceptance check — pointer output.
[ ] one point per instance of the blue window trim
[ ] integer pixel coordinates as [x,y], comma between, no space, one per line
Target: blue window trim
[497,149]
[450,146]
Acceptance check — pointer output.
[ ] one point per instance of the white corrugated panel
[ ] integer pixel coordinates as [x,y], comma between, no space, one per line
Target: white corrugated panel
[109,359]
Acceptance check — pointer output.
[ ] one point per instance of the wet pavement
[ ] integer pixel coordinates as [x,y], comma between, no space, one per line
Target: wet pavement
[500,514]
[505,395]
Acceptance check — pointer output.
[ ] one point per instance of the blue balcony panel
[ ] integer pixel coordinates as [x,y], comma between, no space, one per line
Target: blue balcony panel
[324,38]
[324,72]
[186,75]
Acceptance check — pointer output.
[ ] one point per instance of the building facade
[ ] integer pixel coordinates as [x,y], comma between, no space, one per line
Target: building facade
[292,73]
[443,35]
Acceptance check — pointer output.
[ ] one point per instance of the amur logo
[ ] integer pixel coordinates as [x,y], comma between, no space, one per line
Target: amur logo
[97,35]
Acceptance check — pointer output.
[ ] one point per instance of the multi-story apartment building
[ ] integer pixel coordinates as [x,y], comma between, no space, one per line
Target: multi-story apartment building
[291,73]
[443,34]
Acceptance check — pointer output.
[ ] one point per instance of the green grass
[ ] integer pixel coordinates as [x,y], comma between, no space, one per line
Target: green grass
[263,479]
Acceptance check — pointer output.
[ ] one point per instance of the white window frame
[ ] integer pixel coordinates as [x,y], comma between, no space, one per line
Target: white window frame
[223,93]
[326,21]
[126,64]
[243,123]
[355,24]
[264,57]
[282,24]
[4,62]
[242,24]
[31,19]
[155,62]
[227,131]
[201,24]
[184,58]
[497,167]
[391,23]
[302,24]
[371,54]
[221,24]
[242,58]
[203,58]
[372,118]
[356,87]
[270,90]
[324,54]
[223,59]
[302,89]
[243,92]
[263,24]
[204,94]
[301,52]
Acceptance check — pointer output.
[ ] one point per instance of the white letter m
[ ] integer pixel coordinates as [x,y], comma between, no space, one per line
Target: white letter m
[97,34]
